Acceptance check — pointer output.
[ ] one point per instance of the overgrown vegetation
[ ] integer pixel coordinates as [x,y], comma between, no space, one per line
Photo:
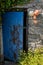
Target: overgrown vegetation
[32,57]
[6,4]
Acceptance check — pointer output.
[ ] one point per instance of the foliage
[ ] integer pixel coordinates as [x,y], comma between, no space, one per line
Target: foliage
[21,2]
[6,4]
[32,57]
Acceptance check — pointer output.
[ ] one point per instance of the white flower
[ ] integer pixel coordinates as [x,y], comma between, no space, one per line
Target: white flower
[30,13]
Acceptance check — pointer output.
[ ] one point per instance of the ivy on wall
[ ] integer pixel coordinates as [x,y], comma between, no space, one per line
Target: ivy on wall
[6,4]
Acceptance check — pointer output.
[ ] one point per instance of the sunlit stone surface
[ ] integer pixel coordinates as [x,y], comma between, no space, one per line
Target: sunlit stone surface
[35,32]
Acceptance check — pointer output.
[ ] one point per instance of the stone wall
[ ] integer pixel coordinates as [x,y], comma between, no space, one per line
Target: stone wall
[35,32]
[1,44]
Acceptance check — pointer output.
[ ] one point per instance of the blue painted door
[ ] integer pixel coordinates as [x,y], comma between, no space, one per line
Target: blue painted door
[12,26]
